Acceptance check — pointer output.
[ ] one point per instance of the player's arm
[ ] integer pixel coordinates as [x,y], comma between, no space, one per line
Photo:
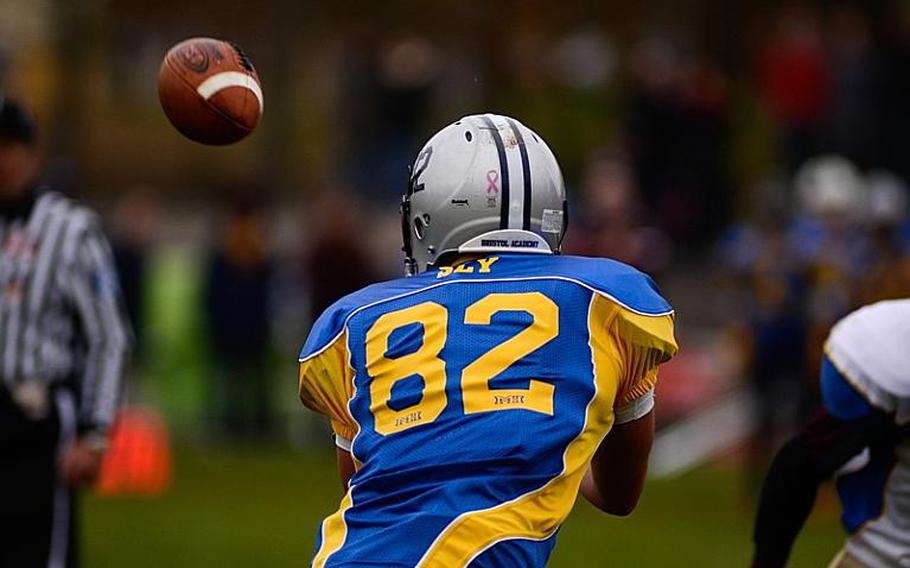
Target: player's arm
[798,469]
[326,386]
[616,477]
[344,460]
[844,427]
[637,345]
[346,467]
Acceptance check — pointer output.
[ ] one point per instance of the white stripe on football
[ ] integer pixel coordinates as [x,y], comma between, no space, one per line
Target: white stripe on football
[220,81]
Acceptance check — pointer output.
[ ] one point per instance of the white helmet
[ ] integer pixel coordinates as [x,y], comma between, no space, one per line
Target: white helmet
[830,184]
[486,183]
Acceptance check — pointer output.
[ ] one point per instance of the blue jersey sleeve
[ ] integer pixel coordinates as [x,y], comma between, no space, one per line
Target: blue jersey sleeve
[840,397]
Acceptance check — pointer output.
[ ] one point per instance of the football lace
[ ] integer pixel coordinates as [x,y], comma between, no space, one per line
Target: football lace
[244,60]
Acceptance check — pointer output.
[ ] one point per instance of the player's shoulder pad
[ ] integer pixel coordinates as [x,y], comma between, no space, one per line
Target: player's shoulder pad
[869,347]
[331,323]
[645,317]
[625,285]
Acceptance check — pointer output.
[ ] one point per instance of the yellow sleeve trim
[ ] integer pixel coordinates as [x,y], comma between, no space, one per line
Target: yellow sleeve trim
[640,343]
[650,332]
[326,384]
[344,430]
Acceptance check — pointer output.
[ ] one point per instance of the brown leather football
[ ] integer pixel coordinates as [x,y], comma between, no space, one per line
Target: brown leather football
[210,91]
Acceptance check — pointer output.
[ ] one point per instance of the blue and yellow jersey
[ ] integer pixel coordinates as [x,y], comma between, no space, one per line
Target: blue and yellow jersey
[474,397]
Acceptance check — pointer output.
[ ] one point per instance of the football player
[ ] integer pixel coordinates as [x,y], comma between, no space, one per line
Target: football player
[859,437]
[473,400]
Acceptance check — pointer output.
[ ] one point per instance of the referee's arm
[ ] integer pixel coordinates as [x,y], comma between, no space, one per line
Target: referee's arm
[106,333]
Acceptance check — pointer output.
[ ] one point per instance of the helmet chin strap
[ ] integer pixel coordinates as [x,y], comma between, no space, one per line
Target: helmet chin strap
[410,265]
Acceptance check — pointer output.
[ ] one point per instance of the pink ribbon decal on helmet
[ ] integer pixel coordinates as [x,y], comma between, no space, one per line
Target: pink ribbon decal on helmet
[492,181]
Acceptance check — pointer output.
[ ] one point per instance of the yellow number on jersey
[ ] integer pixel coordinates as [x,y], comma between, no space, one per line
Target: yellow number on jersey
[425,362]
[475,379]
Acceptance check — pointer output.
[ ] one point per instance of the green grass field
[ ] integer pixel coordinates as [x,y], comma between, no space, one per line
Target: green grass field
[261,507]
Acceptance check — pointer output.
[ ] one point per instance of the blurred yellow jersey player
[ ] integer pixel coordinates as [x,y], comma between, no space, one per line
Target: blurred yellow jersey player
[473,400]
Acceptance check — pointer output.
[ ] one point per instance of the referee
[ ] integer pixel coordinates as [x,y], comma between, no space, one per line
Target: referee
[64,345]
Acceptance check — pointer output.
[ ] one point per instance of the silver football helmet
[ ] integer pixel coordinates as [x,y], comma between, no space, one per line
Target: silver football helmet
[486,183]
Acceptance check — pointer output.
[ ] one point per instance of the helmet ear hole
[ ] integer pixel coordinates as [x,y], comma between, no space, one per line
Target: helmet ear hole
[419,226]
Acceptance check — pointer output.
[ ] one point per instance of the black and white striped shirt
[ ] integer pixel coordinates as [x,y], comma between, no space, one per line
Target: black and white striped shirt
[61,316]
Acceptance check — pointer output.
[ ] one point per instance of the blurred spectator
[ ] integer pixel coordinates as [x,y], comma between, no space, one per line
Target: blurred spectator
[385,89]
[677,129]
[583,59]
[4,66]
[833,246]
[887,219]
[612,220]
[236,292]
[850,128]
[135,224]
[891,95]
[793,80]
[703,152]
[337,262]
[762,267]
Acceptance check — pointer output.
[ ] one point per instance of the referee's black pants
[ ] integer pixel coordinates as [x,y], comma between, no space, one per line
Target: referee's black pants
[36,509]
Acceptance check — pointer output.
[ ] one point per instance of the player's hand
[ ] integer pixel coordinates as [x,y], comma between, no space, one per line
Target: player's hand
[80,463]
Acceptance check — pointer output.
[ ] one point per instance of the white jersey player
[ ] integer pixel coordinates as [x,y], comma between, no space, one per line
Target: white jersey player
[859,438]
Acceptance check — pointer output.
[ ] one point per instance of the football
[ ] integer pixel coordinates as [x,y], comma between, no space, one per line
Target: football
[210,91]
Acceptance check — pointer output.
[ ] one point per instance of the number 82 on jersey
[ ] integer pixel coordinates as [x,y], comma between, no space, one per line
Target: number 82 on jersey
[477,395]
